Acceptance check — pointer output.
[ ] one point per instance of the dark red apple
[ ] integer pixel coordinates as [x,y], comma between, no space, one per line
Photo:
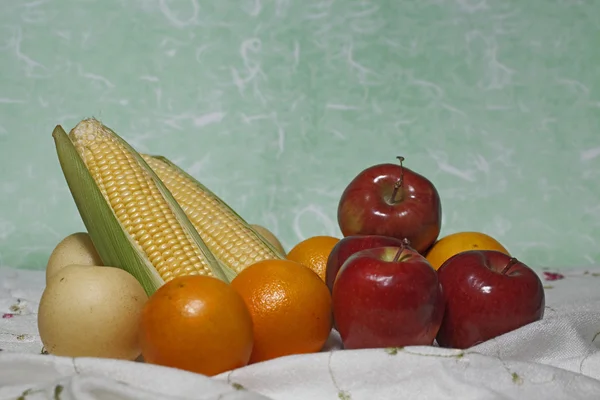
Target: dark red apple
[349,245]
[487,293]
[387,297]
[391,200]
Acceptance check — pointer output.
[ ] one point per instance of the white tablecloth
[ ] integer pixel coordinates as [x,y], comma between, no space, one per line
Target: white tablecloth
[556,358]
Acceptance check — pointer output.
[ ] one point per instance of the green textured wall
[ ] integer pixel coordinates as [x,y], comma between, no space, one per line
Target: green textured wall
[276,105]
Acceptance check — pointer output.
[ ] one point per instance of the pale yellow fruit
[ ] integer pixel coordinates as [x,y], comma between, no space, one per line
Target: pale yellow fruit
[91,311]
[77,248]
[455,243]
[269,236]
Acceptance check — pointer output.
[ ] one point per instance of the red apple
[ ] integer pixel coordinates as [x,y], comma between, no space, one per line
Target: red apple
[487,293]
[349,245]
[391,200]
[387,297]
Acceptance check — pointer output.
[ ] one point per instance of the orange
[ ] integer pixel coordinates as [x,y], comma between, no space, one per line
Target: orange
[290,307]
[313,253]
[196,323]
[458,242]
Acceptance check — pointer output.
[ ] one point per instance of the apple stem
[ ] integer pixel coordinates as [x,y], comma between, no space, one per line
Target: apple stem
[400,181]
[397,256]
[510,263]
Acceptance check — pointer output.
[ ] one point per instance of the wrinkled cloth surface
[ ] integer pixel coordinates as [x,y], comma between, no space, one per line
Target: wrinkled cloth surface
[556,358]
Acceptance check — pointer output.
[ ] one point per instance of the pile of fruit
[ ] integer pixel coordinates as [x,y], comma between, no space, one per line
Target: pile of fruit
[168,274]
[394,283]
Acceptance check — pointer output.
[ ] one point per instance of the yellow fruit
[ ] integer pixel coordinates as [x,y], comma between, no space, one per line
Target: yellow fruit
[76,248]
[455,243]
[91,311]
[313,253]
[269,236]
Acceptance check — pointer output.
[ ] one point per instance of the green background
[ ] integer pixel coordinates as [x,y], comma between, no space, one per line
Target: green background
[277,105]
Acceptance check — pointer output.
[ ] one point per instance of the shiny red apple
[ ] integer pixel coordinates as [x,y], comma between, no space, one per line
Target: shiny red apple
[487,293]
[391,200]
[349,245]
[387,297]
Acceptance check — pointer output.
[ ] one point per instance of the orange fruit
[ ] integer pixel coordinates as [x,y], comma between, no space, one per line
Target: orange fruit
[196,323]
[458,242]
[290,307]
[269,237]
[313,253]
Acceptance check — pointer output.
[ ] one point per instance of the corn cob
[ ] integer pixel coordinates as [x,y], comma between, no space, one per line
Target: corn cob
[228,236]
[132,218]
